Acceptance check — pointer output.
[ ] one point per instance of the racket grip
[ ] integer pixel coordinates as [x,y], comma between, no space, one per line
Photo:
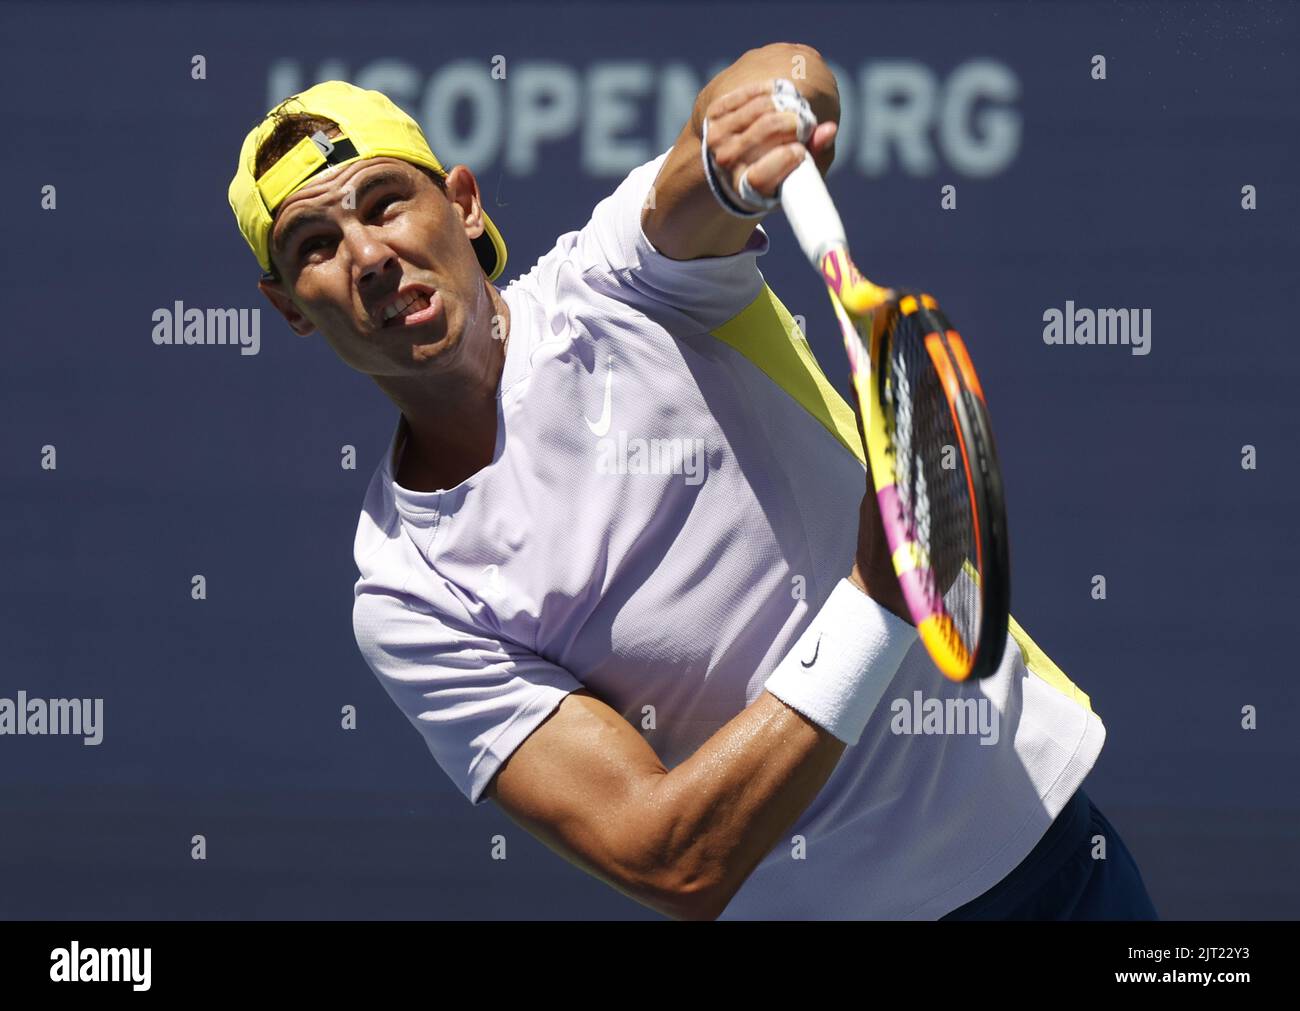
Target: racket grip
[812,215]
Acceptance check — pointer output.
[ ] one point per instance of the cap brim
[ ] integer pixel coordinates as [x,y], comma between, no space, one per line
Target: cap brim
[491,250]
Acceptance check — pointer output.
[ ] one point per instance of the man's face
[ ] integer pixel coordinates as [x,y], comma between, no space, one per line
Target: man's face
[357,241]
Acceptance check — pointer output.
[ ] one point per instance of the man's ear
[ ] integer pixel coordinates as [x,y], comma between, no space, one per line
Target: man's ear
[275,291]
[463,191]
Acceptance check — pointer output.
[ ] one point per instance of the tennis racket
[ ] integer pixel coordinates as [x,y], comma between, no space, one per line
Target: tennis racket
[928,441]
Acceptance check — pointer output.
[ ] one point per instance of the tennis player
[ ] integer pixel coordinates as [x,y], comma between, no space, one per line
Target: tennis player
[619,565]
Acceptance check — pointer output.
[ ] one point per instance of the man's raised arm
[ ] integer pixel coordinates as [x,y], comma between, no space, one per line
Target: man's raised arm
[684,221]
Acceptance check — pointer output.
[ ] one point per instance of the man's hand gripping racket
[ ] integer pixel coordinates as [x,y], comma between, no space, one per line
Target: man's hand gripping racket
[928,441]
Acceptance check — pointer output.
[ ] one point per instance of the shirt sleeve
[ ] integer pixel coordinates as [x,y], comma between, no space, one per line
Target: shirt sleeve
[473,698]
[618,260]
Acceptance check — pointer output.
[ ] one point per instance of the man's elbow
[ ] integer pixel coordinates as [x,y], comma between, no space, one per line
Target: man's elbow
[689,904]
[788,48]
[700,899]
[797,60]
[805,66]
[673,875]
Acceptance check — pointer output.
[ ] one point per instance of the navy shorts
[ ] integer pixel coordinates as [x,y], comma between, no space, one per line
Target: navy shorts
[1060,880]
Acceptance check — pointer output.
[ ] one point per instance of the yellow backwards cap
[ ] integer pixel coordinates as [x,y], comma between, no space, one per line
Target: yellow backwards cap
[371,127]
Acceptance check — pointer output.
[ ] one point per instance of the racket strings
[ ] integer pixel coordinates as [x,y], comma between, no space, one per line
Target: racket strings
[932,491]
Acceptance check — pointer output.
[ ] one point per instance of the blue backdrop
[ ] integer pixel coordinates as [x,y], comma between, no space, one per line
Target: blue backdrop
[221,717]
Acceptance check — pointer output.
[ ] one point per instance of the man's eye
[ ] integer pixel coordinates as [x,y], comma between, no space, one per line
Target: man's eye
[383,202]
[310,245]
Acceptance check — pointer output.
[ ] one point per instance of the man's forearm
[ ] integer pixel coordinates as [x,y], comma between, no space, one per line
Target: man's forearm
[720,812]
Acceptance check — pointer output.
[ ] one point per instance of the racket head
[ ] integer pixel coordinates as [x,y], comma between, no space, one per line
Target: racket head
[938,482]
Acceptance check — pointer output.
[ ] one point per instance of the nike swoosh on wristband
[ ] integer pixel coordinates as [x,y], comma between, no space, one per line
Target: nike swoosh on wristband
[817,649]
[600,428]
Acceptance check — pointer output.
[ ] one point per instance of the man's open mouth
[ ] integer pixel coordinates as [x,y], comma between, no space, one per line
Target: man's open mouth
[412,309]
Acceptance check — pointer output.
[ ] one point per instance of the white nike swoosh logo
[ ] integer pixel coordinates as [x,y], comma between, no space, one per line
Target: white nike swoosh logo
[601,428]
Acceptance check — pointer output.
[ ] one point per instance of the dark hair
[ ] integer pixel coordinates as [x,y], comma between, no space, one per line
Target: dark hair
[289,129]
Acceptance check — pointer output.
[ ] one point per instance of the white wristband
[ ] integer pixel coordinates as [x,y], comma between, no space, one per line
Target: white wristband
[843,662]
